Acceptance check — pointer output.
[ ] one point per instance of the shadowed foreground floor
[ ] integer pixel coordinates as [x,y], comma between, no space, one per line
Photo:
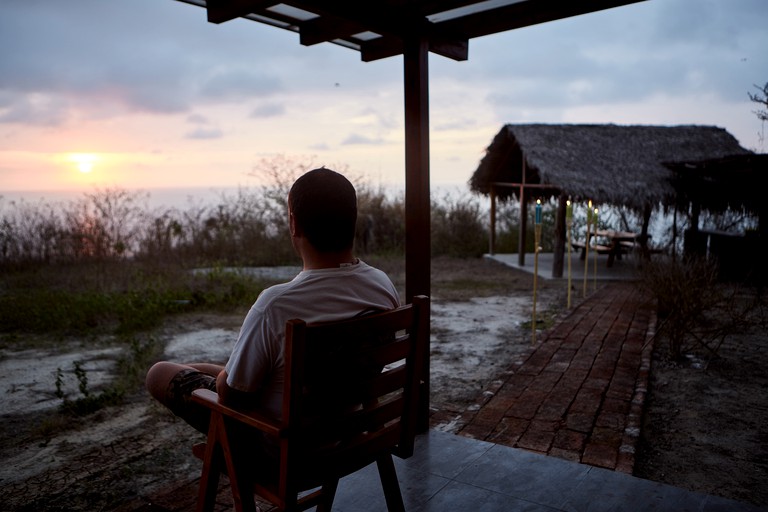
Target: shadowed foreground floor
[449,472]
[557,432]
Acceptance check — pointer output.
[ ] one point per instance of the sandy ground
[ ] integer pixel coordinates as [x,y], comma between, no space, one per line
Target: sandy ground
[111,459]
[706,422]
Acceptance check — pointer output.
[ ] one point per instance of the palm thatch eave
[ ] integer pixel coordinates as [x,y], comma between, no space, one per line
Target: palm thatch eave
[608,163]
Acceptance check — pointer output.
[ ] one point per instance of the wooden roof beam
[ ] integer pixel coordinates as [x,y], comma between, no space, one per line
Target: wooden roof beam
[220,11]
[383,47]
[344,19]
[524,14]
[327,28]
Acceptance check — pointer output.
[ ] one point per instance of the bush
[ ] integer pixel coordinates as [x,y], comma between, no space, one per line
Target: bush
[130,297]
[696,311]
[458,229]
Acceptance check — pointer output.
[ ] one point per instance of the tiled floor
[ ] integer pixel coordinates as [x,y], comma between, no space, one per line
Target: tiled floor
[454,473]
[449,472]
[622,270]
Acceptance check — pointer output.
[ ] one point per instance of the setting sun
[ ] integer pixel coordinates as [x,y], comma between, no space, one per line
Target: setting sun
[84,161]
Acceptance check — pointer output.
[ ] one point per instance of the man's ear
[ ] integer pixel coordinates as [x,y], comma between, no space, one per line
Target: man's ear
[295,230]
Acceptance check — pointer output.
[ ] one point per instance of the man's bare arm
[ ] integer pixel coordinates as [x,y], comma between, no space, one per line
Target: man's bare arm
[230,396]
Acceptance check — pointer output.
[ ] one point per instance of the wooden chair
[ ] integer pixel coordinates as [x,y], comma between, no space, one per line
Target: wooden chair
[351,398]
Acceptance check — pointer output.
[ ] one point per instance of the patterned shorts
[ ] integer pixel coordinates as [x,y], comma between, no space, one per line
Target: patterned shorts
[179,396]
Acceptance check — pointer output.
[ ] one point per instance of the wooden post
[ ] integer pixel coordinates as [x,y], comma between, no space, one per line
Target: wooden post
[646,222]
[559,248]
[568,226]
[586,248]
[492,233]
[417,203]
[536,240]
[523,221]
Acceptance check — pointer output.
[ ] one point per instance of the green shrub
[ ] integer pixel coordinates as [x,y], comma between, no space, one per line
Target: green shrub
[131,297]
[685,292]
[458,228]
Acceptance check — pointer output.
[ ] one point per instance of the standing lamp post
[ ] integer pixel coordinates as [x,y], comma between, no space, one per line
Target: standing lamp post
[594,284]
[586,247]
[537,240]
[568,224]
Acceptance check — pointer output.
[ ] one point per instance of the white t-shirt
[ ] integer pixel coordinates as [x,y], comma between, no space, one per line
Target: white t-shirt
[324,295]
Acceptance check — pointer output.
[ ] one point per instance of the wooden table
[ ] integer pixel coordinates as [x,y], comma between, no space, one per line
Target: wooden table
[619,242]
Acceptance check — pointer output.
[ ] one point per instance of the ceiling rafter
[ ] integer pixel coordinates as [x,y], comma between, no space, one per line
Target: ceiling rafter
[524,14]
[343,19]
[220,11]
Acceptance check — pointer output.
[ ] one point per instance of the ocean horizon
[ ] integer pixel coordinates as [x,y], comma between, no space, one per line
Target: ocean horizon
[183,197]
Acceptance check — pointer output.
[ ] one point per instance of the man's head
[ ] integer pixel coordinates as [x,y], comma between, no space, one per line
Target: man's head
[323,204]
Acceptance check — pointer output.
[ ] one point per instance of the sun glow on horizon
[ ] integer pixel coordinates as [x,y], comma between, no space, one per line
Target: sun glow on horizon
[84,161]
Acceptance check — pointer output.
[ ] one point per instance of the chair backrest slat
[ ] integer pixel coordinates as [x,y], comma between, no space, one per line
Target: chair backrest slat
[346,395]
[352,383]
[346,429]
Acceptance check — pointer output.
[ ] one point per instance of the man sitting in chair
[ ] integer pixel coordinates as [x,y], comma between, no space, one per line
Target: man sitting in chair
[333,285]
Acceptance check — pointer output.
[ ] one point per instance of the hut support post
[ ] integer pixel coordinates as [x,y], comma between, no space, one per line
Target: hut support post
[695,214]
[417,203]
[646,222]
[674,234]
[523,221]
[559,247]
[523,227]
[492,234]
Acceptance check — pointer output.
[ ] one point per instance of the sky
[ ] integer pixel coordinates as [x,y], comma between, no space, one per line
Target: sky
[145,94]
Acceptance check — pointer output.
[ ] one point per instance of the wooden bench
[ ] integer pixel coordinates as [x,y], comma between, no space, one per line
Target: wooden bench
[581,246]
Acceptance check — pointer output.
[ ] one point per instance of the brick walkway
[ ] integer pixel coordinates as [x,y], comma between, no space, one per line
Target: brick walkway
[579,395]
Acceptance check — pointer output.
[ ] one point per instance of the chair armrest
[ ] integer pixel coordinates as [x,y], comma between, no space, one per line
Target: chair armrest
[210,399]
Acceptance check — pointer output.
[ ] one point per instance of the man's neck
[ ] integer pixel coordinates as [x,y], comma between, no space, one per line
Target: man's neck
[314,260]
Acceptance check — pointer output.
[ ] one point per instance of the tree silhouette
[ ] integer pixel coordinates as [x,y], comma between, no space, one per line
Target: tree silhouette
[762,99]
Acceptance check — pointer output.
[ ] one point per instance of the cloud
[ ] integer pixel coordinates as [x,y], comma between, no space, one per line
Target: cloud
[357,139]
[375,117]
[139,56]
[455,124]
[35,110]
[84,53]
[627,54]
[268,110]
[204,134]
[197,119]
[236,84]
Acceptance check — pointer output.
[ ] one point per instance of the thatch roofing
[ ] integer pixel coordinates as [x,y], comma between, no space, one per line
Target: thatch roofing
[616,164]
[734,182]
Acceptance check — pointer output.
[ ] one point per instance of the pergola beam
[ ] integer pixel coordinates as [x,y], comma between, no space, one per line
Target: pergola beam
[395,21]
[382,47]
[524,14]
[346,21]
[220,11]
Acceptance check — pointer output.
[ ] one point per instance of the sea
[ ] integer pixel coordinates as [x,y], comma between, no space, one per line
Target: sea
[182,198]
[177,198]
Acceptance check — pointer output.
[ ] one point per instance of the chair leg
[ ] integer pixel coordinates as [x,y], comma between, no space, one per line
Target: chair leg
[209,479]
[218,456]
[390,484]
[329,493]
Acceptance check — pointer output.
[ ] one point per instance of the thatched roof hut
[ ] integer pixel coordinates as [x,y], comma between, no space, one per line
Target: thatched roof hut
[736,182]
[620,165]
